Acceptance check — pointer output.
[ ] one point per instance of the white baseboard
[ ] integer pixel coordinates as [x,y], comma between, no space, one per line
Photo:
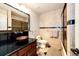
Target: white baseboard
[63,50]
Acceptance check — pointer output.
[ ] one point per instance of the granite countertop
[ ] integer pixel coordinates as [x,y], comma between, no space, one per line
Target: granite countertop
[7,49]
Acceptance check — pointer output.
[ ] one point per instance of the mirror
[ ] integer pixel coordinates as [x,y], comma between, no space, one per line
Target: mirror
[15,19]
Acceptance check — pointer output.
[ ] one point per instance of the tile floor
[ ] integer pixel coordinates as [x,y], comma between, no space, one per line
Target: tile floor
[55,49]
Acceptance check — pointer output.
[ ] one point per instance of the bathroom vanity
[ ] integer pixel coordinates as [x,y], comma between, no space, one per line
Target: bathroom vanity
[13,20]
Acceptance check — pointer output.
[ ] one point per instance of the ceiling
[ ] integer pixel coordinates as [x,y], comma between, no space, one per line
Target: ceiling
[43,7]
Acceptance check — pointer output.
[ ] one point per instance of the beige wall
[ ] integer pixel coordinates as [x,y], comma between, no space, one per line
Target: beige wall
[51,19]
[34,25]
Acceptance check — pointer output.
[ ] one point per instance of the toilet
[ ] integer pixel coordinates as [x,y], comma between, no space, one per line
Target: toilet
[41,46]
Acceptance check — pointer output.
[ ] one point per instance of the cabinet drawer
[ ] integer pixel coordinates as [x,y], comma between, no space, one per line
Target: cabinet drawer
[22,52]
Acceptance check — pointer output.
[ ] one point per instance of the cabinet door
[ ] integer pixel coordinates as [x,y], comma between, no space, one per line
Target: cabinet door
[33,50]
[23,52]
[3,19]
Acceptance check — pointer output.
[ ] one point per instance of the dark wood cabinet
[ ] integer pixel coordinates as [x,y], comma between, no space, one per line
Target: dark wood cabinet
[22,52]
[29,50]
[33,50]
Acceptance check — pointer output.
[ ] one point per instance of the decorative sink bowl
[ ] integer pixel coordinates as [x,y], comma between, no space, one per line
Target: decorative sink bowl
[21,37]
